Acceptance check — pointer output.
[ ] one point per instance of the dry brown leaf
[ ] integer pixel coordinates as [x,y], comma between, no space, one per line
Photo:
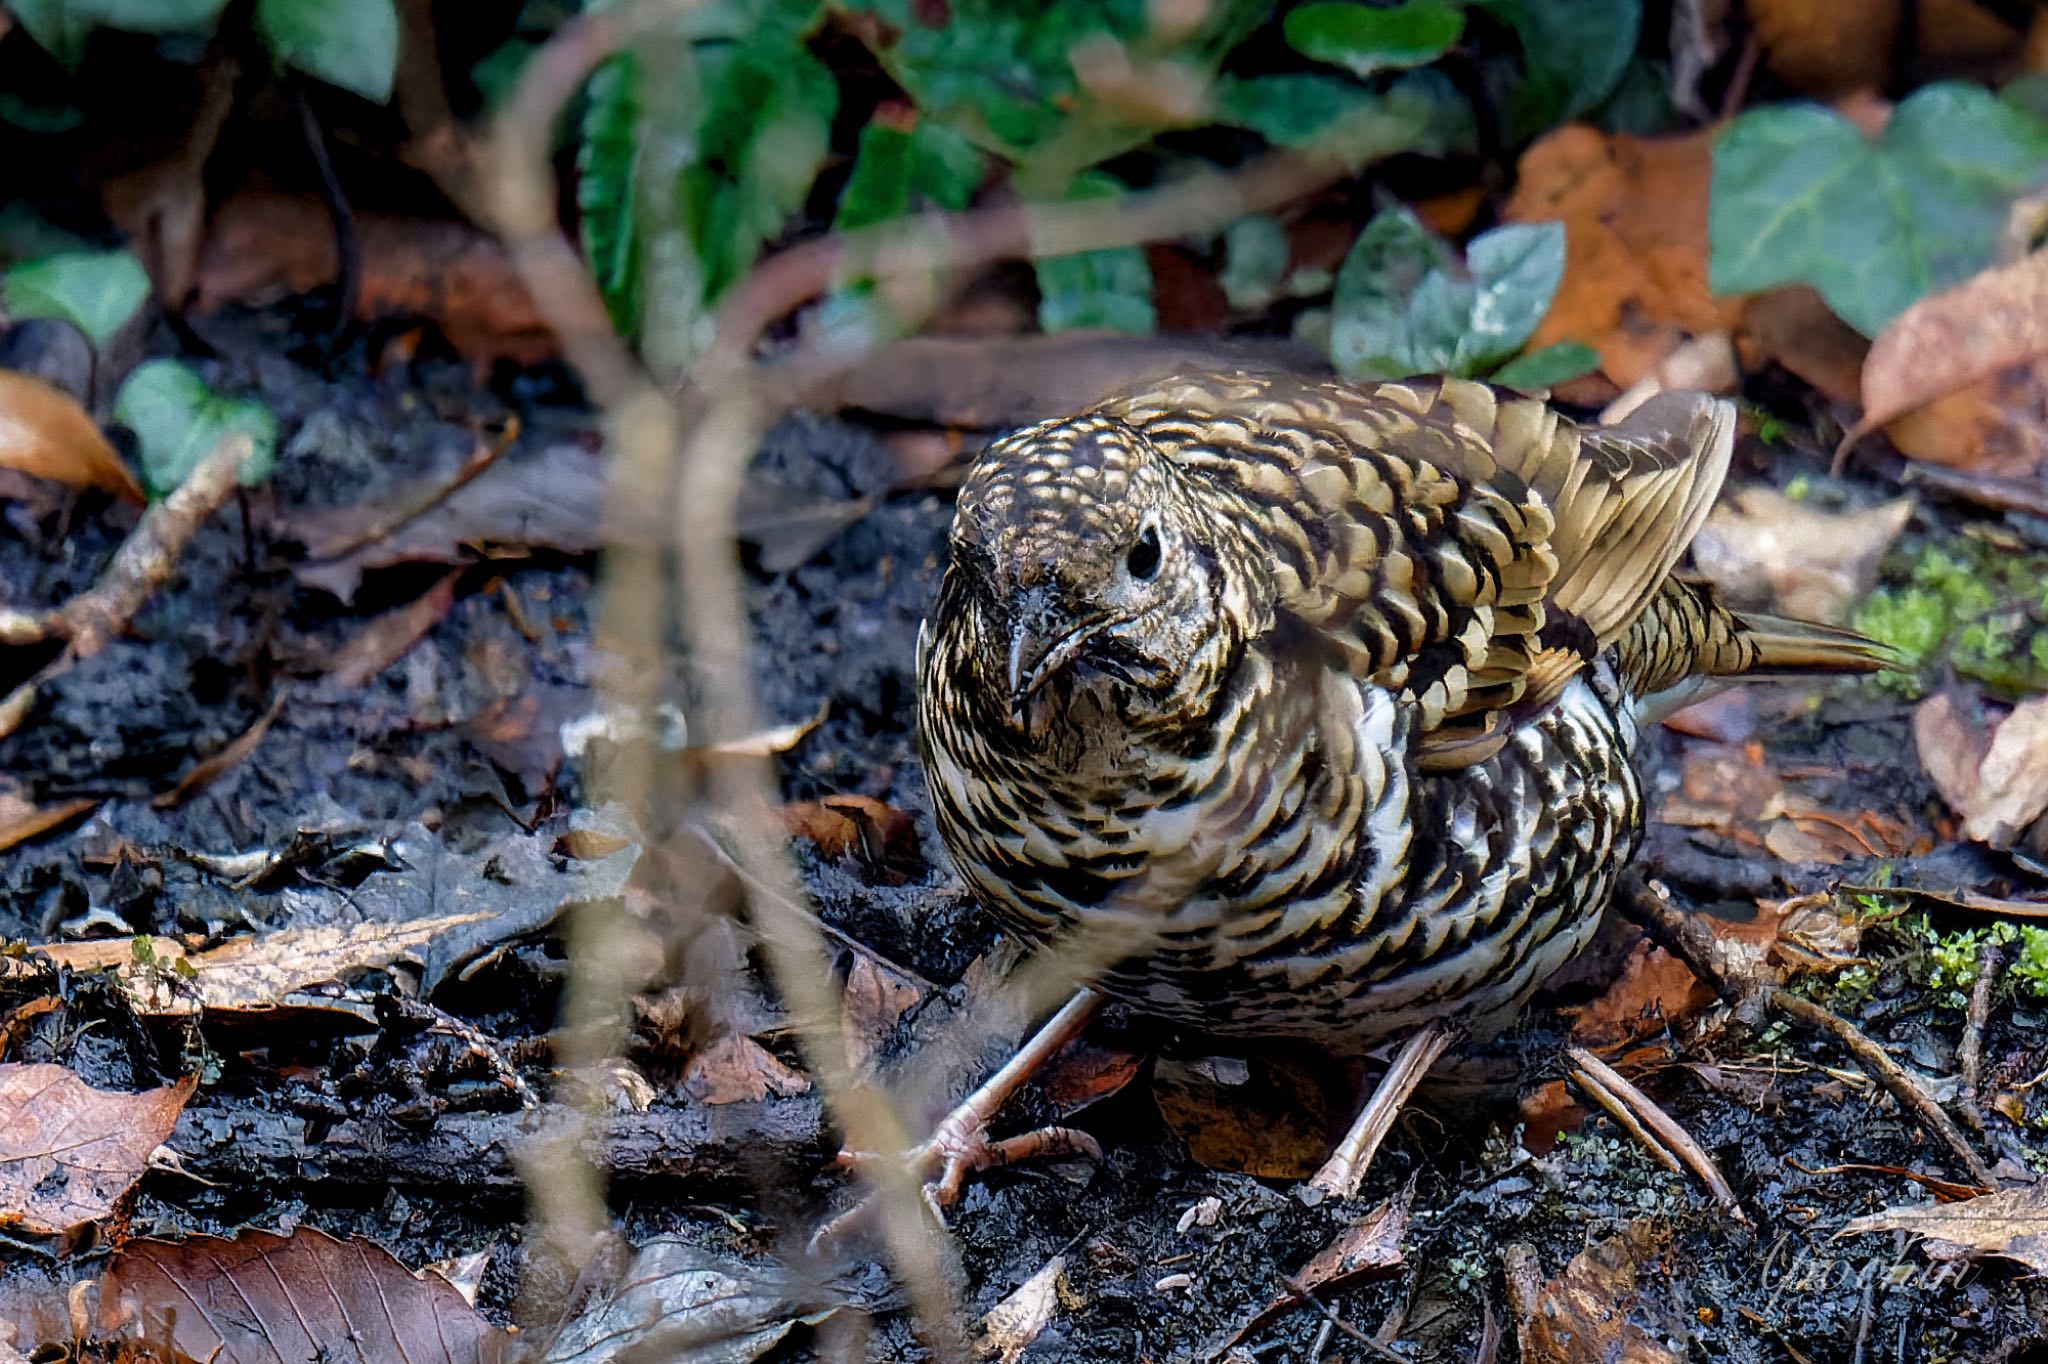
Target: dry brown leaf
[1635,215]
[732,1068]
[385,640]
[262,1298]
[261,246]
[1085,1073]
[1279,1123]
[69,1152]
[209,769]
[267,971]
[1830,48]
[1958,378]
[876,998]
[44,433]
[1795,327]
[20,820]
[842,824]
[1806,562]
[1997,781]
[1654,989]
[1367,1248]
[1012,1324]
[2011,1224]
[1614,1303]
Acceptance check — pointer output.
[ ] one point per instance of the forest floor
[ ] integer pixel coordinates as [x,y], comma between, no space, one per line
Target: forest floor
[408,793]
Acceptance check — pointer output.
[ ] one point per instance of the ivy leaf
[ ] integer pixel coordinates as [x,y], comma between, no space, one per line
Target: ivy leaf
[1364,39]
[1800,196]
[1110,289]
[1547,367]
[1573,55]
[1328,115]
[61,27]
[1255,253]
[1370,330]
[352,45]
[177,420]
[1404,306]
[98,292]
[892,168]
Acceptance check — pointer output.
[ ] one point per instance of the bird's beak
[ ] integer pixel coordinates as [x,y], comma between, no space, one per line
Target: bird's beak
[1037,654]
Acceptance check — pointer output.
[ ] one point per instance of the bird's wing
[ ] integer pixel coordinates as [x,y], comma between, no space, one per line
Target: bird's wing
[1467,548]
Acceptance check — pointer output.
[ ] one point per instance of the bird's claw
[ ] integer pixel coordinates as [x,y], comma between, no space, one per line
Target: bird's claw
[954,1150]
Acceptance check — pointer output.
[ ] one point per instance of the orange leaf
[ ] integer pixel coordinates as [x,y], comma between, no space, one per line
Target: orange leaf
[44,433]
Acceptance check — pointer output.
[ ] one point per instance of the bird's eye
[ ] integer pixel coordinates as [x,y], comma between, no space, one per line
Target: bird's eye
[1143,560]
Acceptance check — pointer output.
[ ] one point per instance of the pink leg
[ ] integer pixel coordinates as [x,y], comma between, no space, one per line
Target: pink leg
[1345,1169]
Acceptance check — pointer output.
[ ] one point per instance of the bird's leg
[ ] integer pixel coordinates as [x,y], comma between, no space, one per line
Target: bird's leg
[959,1144]
[1345,1169]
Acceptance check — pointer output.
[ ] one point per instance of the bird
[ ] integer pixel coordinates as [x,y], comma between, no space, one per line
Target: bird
[1309,709]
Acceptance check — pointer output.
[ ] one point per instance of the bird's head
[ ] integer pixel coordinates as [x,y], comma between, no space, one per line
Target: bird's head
[1084,557]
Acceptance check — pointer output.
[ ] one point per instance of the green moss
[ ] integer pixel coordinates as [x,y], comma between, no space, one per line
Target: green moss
[1977,607]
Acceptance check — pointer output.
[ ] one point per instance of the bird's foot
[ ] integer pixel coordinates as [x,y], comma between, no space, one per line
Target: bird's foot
[958,1147]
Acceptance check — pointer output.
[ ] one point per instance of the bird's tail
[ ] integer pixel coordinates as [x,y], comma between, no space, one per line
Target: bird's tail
[1688,645]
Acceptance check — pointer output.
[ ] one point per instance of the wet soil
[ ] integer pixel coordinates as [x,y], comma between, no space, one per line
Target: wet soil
[443,781]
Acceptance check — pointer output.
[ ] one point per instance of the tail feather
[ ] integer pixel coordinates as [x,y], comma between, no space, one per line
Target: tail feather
[1687,645]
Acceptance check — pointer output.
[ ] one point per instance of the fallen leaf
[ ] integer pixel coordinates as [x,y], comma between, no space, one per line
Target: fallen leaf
[1833,47]
[385,640]
[1958,378]
[262,246]
[20,820]
[875,1000]
[209,769]
[2011,1224]
[733,1068]
[1614,1303]
[1998,782]
[1795,327]
[1544,1112]
[1635,215]
[44,433]
[68,1152]
[1278,1122]
[1653,991]
[838,825]
[1084,1073]
[1806,562]
[685,1304]
[1367,1248]
[1012,1324]
[263,1298]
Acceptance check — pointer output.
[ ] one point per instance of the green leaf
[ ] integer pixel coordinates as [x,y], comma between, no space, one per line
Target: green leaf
[893,167]
[1002,74]
[97,292]
[1365,38]
[1403,306]
[62,27]
[1548,367]
[608,195]
[1573,55]
[353,45]
[1515,273]
[1332,116]
[1110,289]
[177,420]
[1800,196]
[1255,255]
[1370,328]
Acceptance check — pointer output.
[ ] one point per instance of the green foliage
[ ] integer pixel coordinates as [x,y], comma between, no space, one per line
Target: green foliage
[894,169]
[177,420]
[1982,612]
[1255,255]
[352,45]
[1574,54]
[61,27]
[1800,196]
[1364,39]
[1950,961]
[98,292]
[1111,288]
[1404,306]
[1548,367]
